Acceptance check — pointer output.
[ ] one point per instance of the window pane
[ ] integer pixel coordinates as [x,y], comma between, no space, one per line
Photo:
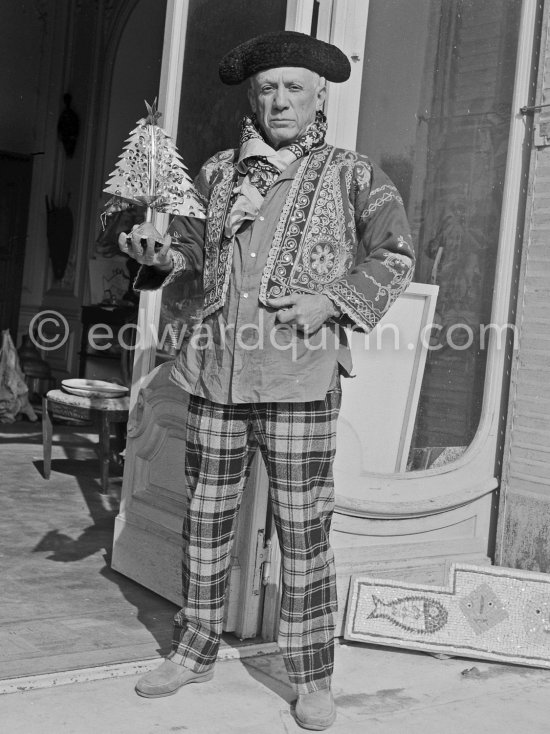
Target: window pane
[210,113]
[435,114]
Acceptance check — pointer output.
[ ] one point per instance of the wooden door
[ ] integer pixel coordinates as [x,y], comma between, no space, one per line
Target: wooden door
[147,543]
[523,537]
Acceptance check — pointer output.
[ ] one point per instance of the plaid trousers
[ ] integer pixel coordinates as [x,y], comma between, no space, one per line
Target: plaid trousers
[297,442]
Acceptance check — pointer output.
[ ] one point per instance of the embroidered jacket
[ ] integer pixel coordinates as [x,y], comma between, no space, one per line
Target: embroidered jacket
[342,232]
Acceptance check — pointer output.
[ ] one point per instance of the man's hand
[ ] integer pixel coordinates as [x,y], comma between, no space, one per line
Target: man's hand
[306,311]
[146,245]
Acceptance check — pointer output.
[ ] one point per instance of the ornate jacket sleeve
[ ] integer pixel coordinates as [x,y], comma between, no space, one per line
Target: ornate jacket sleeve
[384,261]
[187,245]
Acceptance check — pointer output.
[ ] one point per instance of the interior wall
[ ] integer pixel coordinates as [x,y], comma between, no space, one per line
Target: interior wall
[34,34]
[22,26]
[135,76]
[67,47]
[69,184]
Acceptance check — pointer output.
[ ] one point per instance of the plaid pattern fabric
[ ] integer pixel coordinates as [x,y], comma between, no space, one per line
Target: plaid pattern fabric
[297,442]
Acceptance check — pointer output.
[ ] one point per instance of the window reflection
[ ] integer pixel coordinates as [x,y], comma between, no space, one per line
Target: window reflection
[435,114]
[209,119]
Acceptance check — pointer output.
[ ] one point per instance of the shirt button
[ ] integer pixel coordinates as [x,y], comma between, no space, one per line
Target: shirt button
[252,254]
[245,295]
[261,219]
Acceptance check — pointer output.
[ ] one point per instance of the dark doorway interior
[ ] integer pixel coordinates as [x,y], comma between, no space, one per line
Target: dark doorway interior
[15,185]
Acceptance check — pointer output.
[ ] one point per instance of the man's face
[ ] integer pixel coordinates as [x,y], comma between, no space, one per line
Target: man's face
[285,101]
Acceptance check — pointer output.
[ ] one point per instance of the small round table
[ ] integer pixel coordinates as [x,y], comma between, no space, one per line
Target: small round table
[103,411]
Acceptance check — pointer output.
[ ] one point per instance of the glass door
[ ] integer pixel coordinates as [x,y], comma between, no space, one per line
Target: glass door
[439,126]
[203,117]
[208,121]
[442,85]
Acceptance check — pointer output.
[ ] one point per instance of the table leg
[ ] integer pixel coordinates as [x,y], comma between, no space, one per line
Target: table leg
[120,429]
[104,450]
[46,439]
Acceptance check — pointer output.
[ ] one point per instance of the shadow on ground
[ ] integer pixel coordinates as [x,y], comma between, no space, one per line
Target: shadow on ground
[61,600]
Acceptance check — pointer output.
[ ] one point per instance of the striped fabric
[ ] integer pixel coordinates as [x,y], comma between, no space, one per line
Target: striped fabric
[297,441]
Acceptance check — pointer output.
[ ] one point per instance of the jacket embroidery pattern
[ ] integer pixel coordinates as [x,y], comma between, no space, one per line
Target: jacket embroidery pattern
[342,231]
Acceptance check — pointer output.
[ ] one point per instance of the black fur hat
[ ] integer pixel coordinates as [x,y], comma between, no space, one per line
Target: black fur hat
[284,48]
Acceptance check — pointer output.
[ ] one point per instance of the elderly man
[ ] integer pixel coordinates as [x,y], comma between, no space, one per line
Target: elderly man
[300,239]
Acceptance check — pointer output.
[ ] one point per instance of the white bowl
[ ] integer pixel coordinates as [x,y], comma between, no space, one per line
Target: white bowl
[93,388]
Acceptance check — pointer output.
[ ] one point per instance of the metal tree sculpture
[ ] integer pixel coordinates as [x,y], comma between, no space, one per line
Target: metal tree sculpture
[150,173]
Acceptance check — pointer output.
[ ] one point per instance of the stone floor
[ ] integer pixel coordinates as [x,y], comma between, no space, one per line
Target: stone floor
[74,635]
[377,691]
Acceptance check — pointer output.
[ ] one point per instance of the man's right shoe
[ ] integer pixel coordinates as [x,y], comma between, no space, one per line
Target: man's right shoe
[167,679]
[316,710]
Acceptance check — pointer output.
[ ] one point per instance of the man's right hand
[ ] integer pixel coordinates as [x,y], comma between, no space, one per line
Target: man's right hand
[147,246]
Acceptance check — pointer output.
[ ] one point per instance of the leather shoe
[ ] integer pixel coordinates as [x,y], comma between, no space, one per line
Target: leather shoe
[167,679]
[316,710]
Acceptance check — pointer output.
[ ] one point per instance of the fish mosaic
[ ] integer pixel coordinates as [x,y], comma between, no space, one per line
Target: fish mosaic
[419,614]
[483,609]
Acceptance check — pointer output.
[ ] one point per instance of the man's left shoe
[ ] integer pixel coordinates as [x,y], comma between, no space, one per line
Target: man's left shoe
[316,710]
[167,679]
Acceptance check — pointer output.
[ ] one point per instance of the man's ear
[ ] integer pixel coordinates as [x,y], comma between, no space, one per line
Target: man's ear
[321,93]
[251,98]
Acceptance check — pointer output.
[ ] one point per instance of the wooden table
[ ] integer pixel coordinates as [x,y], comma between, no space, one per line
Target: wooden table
[102,411]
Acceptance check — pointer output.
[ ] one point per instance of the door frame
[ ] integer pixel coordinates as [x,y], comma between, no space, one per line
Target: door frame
[245,603]
[400,495]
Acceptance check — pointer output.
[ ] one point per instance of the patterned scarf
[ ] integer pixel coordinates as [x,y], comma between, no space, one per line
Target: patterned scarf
[260,165]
